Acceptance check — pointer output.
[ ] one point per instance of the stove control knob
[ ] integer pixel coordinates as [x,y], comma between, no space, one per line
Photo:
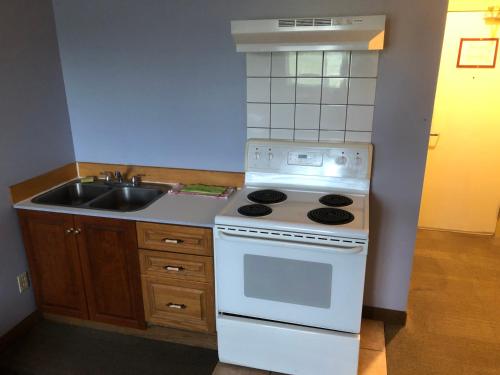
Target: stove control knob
[270,156]
[257,155]
[358,161]
[341,160]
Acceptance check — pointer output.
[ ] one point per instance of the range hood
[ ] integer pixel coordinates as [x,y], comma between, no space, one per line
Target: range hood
[309,34]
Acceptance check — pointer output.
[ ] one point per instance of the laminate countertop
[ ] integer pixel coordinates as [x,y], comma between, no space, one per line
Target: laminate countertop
[192,210]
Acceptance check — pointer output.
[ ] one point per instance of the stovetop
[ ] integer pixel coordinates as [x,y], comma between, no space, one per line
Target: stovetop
[298,211]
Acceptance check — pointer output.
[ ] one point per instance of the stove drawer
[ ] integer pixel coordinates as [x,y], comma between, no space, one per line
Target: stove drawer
[175,238]
[180,304]
[176,266]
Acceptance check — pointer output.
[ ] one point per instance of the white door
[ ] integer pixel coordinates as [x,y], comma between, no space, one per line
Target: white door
[462,178]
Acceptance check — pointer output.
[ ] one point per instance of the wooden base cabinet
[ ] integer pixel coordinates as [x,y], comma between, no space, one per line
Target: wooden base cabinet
[85,267]
[54,261]
[177,276]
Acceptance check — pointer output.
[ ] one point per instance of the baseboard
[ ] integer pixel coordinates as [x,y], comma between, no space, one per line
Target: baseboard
[20,329]
[394,317]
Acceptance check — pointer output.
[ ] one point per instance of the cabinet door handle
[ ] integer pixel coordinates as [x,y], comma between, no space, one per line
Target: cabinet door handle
[174,268]
[172,240]
[69,230]
[77,231]
[176,306]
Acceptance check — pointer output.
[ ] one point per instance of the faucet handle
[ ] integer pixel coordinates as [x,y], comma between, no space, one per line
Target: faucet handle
[137,179]
[108,176]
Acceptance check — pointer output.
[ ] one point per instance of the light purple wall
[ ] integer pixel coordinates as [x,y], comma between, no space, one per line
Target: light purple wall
[158,82]
[35,132]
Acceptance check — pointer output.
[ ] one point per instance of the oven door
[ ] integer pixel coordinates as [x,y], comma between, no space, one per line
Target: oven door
[300,283]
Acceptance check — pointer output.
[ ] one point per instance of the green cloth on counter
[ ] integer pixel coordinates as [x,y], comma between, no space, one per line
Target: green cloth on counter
[204,189]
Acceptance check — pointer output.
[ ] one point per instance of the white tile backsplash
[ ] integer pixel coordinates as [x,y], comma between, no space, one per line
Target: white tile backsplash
[334,91]
[359,118]
[307,116]
[258,133]
[284,64]
[336,64]
[307,135]
[258,90]
[258,115]
[282,90]
[285,134]
[309,64]
[259,64]
[282,115]
[308,90]
[333,117]
[310,96]
[358,137]
[362,91]
[364,64]
[331,136]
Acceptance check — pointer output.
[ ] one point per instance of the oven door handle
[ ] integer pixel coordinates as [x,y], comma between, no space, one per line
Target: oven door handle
[301,245]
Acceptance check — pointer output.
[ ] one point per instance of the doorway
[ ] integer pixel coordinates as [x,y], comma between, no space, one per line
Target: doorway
[461,189]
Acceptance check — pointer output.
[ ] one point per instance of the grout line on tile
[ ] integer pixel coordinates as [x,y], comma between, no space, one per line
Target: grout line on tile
[270,96]
[295,99]
[321,95]
[347,99]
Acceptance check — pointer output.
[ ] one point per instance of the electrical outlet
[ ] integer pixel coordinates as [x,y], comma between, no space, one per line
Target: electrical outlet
[23,282]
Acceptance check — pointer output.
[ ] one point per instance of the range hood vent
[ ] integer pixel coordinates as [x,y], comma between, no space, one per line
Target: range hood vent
[309,34]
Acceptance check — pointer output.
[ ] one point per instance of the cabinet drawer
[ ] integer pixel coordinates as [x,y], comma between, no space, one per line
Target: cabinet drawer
[175,238]
[176,266]
[177,303]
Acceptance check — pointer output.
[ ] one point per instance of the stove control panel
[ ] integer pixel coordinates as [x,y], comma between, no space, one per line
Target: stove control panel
[352,160]
[308,158]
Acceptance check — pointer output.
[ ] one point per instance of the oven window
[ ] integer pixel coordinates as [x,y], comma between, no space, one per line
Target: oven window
[288,280]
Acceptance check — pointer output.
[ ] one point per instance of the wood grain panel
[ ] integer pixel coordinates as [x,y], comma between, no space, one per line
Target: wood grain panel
[43,182]
[166,175]
[179,303]
[110,264]
[176,266]
[175,238]
[54,262]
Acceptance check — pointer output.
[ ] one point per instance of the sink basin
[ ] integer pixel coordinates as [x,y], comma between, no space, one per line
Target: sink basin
[127,199]
[74,195]
[101,196]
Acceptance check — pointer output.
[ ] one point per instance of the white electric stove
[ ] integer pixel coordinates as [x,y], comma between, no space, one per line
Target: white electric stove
[290,258]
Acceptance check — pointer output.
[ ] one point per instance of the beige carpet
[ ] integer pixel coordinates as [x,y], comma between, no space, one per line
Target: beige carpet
[371,357]
[454,308]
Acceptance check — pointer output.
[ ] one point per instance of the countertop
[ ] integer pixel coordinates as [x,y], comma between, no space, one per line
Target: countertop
[190,210]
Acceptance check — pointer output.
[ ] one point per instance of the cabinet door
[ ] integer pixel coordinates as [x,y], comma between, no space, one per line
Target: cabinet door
[54,262]
[110,263]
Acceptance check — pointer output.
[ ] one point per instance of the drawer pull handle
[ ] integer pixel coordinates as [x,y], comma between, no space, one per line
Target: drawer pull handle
[176,306]
[171,240]
[174,268]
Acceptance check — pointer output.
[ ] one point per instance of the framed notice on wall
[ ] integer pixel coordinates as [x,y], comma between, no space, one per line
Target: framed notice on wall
[477,53]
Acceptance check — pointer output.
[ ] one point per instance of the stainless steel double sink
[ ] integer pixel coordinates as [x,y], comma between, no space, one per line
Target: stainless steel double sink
[103,196]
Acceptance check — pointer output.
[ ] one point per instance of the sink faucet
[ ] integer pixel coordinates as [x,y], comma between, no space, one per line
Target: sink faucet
[118,177]
[110,177]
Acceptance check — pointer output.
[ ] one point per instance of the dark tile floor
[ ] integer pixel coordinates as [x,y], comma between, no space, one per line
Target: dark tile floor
[53,348]
[454,308]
